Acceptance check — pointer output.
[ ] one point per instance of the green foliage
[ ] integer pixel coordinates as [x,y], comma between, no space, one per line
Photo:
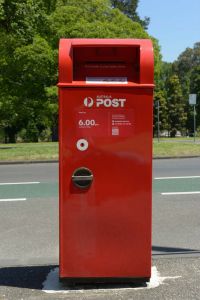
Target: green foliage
[91,19]
[186,62]
[30,70]
[195,89]
[52,110]
[160,96]
[165,72]
[23,19]
[187,68]
[35,66]
[129,8]
[157,60]
[29,35]
[176,106]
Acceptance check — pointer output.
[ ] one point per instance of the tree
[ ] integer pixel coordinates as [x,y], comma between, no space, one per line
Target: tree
[161,77]
[91,19]
[187,68]
[195,89]
[52,110]
[22,19]
[186,62]
[30,69]
[27,64]
[165,72]
[96,19]
[176,106]
[160,96]
[35,65]
[29,35]
[129,8]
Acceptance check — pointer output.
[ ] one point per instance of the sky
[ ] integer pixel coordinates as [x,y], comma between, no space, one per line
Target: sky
[175,23]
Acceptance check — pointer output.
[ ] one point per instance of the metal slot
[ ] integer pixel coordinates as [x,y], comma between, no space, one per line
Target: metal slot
[82,178]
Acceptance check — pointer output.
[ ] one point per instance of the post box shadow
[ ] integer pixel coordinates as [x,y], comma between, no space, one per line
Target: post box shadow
[173,250]
[103,285]
[30,277]
[46,278]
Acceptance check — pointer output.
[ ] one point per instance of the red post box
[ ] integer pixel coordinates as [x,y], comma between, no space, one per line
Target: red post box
[105,138]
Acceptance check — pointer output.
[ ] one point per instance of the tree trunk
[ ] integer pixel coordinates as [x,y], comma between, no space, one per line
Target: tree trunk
[10,135]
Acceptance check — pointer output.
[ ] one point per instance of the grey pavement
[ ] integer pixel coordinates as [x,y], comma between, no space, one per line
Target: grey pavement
[180,280]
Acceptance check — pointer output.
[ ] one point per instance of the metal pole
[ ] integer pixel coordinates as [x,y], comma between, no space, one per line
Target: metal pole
[194,122]
[158,119]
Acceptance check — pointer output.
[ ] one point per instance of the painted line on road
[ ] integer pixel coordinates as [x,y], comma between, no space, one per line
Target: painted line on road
[13,183]
[180,193]
[13,199]
[177,177]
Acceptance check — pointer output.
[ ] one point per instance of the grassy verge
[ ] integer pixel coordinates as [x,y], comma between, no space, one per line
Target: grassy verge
[28,151]
[49,151]
[176,148]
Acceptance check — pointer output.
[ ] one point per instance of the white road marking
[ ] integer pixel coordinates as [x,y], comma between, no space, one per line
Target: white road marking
[180,193]
[13,183]
[13,199]
[52,285]
[177,177]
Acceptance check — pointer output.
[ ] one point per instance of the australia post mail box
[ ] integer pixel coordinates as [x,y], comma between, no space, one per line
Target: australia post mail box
[105,138]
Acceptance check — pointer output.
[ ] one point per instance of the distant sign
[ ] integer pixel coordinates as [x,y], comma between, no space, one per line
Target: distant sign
[192,99]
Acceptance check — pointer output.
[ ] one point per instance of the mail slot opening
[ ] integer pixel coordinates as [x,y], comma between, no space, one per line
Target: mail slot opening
[82,178]
[111,64]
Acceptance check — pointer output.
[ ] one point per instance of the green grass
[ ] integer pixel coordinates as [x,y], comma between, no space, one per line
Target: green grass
[176,147]
[49,151]
[28,151]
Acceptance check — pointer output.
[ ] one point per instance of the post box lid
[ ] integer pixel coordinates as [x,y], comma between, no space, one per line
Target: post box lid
[103,62]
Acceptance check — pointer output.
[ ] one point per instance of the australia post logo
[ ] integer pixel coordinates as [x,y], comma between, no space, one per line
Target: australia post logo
[88,101]
[104,101]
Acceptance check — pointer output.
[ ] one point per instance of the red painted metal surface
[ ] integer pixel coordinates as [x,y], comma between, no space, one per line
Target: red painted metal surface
[105,230]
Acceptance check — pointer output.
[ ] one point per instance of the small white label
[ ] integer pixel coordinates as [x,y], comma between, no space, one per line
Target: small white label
[106,80]
[82,144]
[115,131]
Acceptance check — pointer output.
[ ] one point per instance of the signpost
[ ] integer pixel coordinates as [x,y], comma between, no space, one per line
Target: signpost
[192,101]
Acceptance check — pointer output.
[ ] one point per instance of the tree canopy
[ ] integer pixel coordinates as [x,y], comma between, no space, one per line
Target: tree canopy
[186,70]
[129,8]
[29,34]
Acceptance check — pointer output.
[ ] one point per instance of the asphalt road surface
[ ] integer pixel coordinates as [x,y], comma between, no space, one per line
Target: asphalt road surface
[29,234]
